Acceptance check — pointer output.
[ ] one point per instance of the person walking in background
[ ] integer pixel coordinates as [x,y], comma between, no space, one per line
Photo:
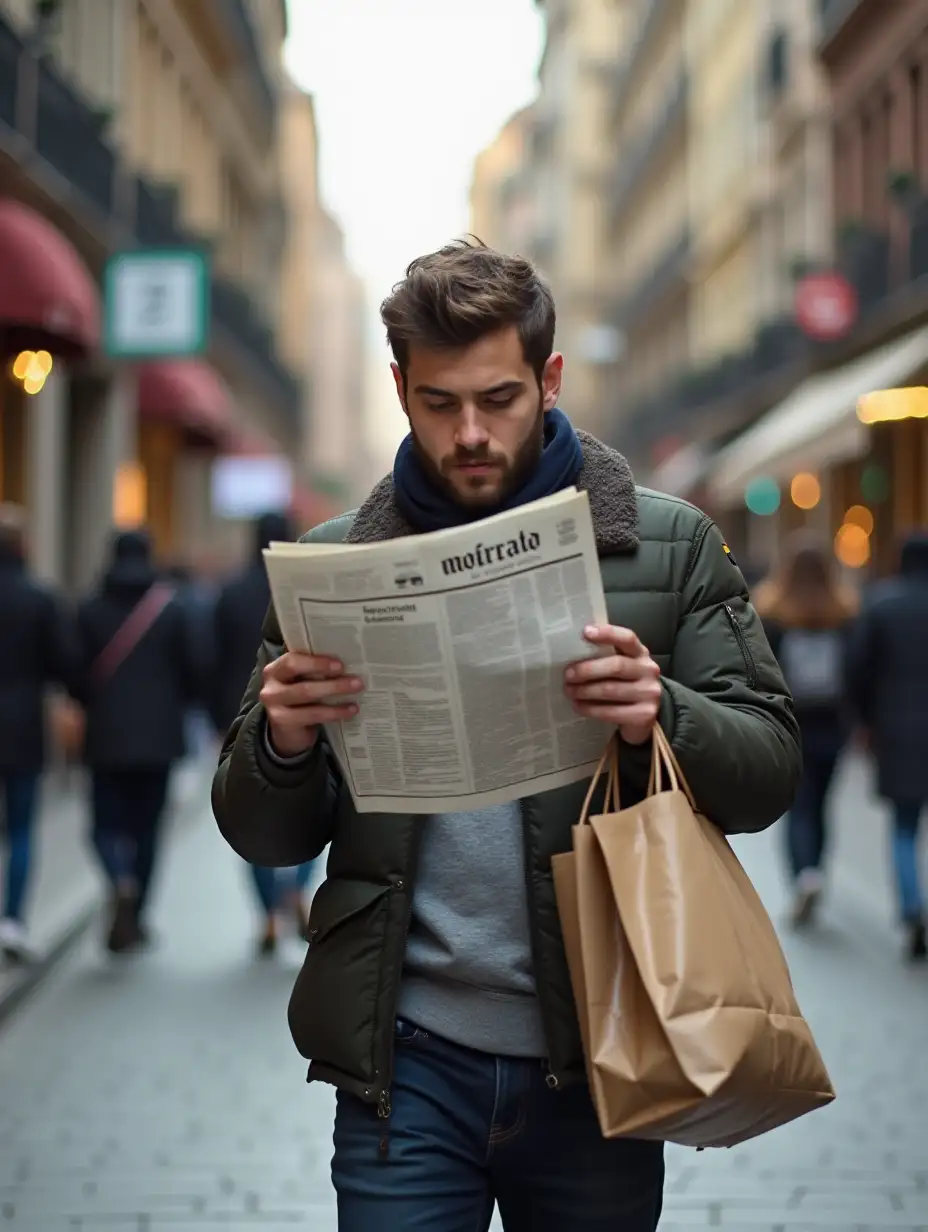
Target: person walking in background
[141,676]
[38,648]
[240,610]
[807,616]
[889,687]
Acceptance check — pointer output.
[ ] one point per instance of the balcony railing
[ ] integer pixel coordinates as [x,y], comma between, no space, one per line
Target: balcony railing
[833,16]
[668,272]
[233,311]
[11,50]
[650,24]
[67,135]
[238,20]
[632,168]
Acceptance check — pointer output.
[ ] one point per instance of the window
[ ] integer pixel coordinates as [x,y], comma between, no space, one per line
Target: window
[777,63]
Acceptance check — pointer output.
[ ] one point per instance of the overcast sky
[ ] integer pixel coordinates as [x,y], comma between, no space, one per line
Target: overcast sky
[407,93]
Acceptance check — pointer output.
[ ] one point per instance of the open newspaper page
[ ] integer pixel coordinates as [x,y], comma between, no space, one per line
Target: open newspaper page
[461,638]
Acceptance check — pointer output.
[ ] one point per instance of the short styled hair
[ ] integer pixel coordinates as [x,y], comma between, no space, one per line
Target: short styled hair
[452,298]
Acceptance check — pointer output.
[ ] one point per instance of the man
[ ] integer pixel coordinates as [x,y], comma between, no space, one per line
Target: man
[888,681]
[436,994]
[237,619]
[38,648]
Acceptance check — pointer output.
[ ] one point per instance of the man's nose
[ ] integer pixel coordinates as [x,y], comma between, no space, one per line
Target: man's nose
[470,432]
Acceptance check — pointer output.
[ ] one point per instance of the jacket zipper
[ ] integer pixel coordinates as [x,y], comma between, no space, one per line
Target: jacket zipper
[750,666]
[551,1078]
[384,1103]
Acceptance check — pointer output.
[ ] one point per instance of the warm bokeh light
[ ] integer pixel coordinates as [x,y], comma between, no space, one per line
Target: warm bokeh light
[32,369]
[886,405]
[852,546]
[130,496]
[805,491]
[860,515]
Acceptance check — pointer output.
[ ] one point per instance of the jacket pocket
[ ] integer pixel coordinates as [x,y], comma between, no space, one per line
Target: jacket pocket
[750,667]
[333,1007]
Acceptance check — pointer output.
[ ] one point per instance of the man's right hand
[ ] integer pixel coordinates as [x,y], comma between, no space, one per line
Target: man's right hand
[297,697]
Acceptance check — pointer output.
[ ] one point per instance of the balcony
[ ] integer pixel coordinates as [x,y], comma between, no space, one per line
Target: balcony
[668,273]
[65,130]
[650,26]
[234,313]
[67,135]
[633,167]
[237,19]
[834,15]
[11,50]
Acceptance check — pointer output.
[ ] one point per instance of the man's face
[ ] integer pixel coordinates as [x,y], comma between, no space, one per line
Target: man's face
[476,415]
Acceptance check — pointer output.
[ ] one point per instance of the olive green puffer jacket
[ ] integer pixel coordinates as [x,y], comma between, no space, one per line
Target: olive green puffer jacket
[668,575]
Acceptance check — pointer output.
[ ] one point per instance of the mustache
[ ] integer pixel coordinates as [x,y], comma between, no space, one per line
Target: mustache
[483,456]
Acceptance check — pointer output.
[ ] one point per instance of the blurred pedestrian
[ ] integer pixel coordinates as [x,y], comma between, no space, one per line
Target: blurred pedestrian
[807,615]
[141,677]
[240,610]
[38,648]
[198,596]
[889,686]
[435,993]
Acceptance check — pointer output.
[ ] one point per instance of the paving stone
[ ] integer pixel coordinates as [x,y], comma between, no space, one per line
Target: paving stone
[164,1094]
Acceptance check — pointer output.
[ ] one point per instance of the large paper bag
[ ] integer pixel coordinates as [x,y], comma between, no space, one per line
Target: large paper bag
[690,1024]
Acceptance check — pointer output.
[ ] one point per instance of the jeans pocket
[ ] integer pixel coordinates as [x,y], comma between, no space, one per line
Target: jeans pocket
[409,1033]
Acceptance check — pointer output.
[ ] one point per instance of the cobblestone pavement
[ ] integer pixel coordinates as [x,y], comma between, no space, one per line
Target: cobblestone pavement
[163,1094]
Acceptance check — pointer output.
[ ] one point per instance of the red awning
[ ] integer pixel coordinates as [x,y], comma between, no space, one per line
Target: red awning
[309,508]
[186,392]
[47,296]
[245,443]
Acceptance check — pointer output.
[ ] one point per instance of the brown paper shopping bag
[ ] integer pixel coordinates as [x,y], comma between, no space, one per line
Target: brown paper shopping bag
[691,1027]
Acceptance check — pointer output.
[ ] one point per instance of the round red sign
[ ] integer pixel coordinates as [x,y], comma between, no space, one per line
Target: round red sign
[826,306]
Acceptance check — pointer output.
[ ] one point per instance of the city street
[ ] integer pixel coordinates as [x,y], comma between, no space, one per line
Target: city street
[163,1094]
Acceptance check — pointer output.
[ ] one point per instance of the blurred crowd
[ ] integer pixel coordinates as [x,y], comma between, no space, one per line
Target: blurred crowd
[151,666]
[145,670]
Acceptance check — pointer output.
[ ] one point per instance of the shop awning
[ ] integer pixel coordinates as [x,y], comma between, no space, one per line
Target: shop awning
[186,392]
[309,508]
[48,298]
[817,424]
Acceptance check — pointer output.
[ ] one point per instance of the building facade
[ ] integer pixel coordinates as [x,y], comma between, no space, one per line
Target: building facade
[130,124]
[859,471]
[502,205]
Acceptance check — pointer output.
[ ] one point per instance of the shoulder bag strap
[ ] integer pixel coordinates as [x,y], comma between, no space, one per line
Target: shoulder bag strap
[131,631]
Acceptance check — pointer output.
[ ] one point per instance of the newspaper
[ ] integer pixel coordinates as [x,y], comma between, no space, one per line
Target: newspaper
[461,638]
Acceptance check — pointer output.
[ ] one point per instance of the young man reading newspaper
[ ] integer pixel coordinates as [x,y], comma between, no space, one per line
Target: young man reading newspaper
[435,994]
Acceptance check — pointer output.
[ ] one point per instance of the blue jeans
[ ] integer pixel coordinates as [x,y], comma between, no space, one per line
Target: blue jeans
[22,794]
[128,807]
[467,1130]
[806,825]
[271,882]
[905,860]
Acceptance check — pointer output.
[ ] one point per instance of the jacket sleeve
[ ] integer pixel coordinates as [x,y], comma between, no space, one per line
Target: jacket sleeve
[274,815]
[726,707]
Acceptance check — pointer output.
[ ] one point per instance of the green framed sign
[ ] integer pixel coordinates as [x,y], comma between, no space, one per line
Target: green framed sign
[156,303]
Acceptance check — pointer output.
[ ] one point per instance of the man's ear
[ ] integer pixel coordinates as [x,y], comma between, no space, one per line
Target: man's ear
[551,381]
[400,382]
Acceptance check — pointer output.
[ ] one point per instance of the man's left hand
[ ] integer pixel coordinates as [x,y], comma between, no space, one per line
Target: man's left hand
[622,689]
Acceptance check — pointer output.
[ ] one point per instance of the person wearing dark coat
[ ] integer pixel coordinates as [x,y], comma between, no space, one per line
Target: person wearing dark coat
[141,676]
[38,649]
[888,672]
[240,610]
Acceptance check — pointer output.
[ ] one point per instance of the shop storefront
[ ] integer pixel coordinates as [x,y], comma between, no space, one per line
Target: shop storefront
[817,461]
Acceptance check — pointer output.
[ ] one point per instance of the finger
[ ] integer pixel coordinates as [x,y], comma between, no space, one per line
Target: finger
[614,667]
[623,640]
[298,718]
[294,665]
[622,692]
[618,716]
[308,692]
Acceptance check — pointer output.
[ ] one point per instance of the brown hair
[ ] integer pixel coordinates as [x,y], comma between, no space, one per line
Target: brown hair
[805,592]
[454,297]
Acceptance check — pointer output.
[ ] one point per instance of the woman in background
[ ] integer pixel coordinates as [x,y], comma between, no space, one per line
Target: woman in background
[807,615]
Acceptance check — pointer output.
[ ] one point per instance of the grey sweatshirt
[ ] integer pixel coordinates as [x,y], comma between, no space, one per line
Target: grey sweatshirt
[468,974]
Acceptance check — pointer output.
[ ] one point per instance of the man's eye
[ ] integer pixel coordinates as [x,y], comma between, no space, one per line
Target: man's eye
[501,402]
[440,406]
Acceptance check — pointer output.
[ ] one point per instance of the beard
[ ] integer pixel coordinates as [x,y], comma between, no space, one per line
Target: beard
[476,492]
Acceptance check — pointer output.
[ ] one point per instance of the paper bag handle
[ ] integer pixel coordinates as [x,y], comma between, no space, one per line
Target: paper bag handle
[664,760]
[609,762]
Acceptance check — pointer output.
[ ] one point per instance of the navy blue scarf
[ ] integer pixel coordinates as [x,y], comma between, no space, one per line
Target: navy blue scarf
[427,509]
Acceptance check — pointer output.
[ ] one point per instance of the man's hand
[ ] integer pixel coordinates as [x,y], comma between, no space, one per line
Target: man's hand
[297,697]
[622,689]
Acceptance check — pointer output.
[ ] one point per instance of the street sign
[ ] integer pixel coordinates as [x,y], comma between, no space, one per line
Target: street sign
[826,306]
[156,303]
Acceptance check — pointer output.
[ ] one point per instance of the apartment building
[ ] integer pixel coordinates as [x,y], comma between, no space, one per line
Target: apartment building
[502,205]
[126,124]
